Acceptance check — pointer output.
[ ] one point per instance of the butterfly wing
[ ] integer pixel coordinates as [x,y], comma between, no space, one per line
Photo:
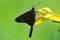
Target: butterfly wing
[20,19]
[29,18]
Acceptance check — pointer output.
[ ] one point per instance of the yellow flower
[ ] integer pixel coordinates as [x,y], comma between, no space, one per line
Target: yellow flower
[49,15]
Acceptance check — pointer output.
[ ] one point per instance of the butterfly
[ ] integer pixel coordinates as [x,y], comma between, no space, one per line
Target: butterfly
[49,15]
[28,18]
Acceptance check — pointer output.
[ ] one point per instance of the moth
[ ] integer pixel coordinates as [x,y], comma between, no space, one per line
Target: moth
[28,18]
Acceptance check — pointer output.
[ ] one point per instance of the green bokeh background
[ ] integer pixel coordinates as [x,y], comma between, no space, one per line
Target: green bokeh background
[11,30]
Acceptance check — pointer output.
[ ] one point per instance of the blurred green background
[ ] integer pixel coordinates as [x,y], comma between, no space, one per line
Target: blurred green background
[11,30]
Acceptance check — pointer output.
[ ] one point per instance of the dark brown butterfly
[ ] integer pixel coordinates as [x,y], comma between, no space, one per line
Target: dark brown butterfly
[28,17]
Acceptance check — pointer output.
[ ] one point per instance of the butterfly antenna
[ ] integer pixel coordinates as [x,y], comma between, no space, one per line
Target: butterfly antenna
[36,4]
[31,29]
